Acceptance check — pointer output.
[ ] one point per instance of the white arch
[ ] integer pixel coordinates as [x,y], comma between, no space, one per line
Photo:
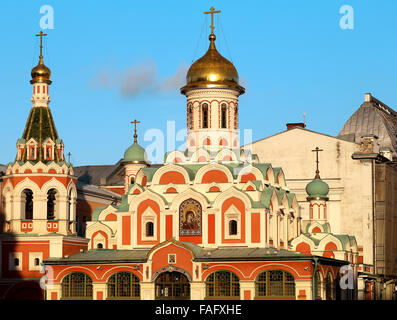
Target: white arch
[330,238]
[212,166]
[167,168]
[232,192]
[175,154]
[200,153]
[250,169]
[147,195]
[225,152]
[187,194]
[302,238]
[54,184]
[26,184]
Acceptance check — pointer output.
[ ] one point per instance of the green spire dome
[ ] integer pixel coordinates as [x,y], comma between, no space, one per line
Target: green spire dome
[317,188]
[135,153]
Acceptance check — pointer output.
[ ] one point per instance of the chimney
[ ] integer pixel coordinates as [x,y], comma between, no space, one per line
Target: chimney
[294,125]
[368,97]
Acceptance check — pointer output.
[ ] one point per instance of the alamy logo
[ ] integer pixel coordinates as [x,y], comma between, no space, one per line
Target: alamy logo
[47,20]
[347,20]
[347,277]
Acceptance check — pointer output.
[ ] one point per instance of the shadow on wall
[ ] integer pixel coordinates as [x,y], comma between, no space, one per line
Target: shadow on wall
[14,262]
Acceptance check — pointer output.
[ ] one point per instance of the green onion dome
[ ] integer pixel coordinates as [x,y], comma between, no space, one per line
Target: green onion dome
[317,189]
[135,154]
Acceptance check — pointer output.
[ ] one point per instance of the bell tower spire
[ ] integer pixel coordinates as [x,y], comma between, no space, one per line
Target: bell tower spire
[212,90]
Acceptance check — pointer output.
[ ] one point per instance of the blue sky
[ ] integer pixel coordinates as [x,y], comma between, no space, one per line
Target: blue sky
[292,56]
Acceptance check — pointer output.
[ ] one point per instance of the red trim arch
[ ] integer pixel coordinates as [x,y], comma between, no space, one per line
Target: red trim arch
[222,267]
[292,269]
[111,217]
[171,190]
[172,177]
[239,204]
[113,270]
[214,176]
[103,234]
[140,210]
[329,249]
[303,248]
[248,177]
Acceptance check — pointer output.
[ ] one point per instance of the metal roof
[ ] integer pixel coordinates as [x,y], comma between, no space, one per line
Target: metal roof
[372,118]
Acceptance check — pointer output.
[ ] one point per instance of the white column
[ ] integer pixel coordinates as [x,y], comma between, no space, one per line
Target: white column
[99,287]
[197,290]
[147,291]
[56,288]
[247,286]
[303,285]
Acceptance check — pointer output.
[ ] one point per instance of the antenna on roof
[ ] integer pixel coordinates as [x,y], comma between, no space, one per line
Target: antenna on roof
[304,119]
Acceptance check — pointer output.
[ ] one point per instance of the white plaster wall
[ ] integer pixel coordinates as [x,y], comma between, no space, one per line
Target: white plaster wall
[350,203]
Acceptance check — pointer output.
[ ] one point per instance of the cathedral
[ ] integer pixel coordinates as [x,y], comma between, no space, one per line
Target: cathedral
[213,222]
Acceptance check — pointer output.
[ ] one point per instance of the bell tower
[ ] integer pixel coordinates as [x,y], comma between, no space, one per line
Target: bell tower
[212,90]
[39,186]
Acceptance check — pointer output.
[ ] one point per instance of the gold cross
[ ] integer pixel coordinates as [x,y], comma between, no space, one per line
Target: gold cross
[41,35]
[212,11]
[135,122]
[317,150]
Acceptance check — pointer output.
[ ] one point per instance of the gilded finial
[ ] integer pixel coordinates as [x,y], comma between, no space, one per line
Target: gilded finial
[41,73]
[41,35]
[135,122]
[212,12]
[317,150]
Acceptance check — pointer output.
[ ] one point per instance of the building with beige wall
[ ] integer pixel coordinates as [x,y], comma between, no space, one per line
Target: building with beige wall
[361,178]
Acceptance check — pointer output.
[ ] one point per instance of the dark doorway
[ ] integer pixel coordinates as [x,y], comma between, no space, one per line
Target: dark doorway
[172,286]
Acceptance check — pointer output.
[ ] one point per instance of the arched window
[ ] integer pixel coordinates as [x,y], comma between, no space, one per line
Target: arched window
[235,117]
[32,152]
[328,288]
[317,286]
[48,155]
[223,116]
[16,262]
[149,229]
[233,227]
[275,284]
[123,285]
[190,117]
[222,284]
[36,262]
[27,196]
[132,180]
[204,112]
[51,204]
[76,285]
[69,204]
[99,246]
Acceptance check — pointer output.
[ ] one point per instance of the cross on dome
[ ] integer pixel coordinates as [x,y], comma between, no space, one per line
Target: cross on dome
[317,150]
[212,12]
[135,122]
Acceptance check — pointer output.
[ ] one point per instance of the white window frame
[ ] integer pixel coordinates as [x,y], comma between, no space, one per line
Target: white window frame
[99,238]
[232,214]
[148,216]
[32,256]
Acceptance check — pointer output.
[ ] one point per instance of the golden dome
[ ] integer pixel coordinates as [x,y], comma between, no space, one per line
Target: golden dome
[41,73]
[212,71]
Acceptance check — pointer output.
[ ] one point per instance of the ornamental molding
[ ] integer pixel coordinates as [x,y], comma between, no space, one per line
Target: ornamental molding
[171,268]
